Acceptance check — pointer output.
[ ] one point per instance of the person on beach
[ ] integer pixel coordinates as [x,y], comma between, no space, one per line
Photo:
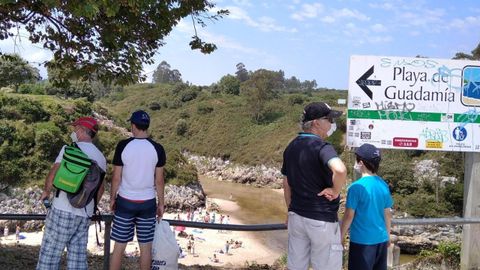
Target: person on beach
[17,233]
[368,213]
[314,177]
[5,231]
[65,225]
[137,183]
[227,247]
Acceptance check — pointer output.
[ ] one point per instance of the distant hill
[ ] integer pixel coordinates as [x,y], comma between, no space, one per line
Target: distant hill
[213,124]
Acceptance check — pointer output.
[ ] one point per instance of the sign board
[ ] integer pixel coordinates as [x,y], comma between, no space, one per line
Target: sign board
[414,103]
[341,101]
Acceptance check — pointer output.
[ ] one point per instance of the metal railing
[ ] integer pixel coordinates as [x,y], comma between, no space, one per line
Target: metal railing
[232,227]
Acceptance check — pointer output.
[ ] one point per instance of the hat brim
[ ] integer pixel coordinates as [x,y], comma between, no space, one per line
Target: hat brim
[334,114]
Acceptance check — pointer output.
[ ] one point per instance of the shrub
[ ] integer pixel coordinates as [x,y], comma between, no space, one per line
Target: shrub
[178,171]
[204,109]
[450,252]
[421,204]
[181,127]
[188,94]
[296,99]
[154,106]
[48,140]
[175,104]
[396,169]
[31,88]
[184,115]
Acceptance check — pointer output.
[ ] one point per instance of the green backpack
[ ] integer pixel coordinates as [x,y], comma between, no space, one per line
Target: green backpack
[73,169]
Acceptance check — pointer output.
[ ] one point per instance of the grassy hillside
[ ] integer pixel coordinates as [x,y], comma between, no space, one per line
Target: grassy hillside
[218,124]
[33,128]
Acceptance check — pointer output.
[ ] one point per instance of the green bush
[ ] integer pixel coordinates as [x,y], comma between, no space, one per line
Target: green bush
[450,251]
[296,99]
[175,104]
[421,204]
[184,115]
[178,171]
[48,140]
[188,95]
[30,88]
[204,108]
[396,169]
[446,251]
[181,127]
[453,194]
[154,106]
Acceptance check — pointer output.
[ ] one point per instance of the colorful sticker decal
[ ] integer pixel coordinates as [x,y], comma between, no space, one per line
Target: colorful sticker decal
[433,144]
[471,86]
[405,142]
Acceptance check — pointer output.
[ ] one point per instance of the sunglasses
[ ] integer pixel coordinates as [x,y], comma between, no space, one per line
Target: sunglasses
[331,120]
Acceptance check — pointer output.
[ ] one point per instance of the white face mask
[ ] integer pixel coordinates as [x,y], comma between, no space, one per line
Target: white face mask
[357,167]
[332,129]
[74,137]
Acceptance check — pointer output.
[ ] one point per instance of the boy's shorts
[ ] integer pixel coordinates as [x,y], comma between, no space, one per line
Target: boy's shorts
[129,215]
[367,257]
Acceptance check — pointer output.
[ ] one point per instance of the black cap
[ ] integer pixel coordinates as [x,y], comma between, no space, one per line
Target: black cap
[317,110]
[369,153]
[140,117]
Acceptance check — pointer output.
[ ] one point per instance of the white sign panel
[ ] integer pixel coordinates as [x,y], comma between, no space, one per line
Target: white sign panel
[414,103]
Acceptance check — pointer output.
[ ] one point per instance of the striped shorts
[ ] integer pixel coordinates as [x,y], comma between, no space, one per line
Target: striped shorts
[130,216]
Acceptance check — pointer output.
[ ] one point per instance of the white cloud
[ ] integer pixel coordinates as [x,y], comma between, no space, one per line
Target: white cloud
[378,27]
[266,24]
[414,33]
[424,18]
[224,42]
[348,13]
[246,3]
[337,14]
[308,11]
[465,23]
[360,35]
[385,6]
[328,19]
[379,39]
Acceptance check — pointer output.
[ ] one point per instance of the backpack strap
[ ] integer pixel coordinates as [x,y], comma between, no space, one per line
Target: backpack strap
[95,206]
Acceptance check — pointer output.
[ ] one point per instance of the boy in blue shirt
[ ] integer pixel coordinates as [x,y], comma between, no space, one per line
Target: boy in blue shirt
[368,213]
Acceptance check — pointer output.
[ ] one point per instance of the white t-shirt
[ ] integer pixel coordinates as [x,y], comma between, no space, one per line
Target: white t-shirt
[61,202]
[139,158]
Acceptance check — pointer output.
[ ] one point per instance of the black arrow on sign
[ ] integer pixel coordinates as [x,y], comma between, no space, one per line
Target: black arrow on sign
[363,81]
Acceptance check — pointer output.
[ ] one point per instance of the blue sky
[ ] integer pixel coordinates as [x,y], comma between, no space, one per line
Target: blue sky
[310,39]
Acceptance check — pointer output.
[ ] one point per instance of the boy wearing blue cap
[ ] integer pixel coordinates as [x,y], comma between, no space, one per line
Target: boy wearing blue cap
[137,182]
[368,213]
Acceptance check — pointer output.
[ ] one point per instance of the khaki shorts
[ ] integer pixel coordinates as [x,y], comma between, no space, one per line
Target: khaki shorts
[313,242]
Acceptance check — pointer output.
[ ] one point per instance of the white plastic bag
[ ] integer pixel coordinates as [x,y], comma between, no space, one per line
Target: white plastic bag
[165,249]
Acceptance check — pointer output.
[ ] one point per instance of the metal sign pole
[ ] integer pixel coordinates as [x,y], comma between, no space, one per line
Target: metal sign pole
[470,258]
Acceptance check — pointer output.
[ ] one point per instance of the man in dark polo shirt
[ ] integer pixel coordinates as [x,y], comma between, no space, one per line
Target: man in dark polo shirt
[314,178]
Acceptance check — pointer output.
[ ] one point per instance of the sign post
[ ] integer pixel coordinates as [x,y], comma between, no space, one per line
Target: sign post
[470,258]
[421,104]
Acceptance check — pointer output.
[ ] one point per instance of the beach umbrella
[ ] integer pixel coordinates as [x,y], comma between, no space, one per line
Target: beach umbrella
[180,228]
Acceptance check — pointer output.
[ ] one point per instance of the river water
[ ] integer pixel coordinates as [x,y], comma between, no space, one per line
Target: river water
[258,206]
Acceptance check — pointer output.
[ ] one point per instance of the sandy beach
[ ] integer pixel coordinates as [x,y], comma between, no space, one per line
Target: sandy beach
[207,243]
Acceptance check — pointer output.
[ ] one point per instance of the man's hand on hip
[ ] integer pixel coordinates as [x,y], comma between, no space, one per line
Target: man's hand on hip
[329,193]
